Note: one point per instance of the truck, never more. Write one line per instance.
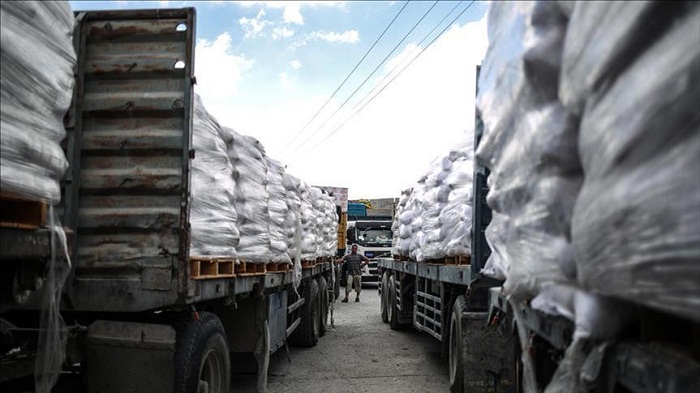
(140, 313)
(373, 235)
(496, 342)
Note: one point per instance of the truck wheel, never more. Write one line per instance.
(202, 360)
(306, 334)
(323, 304)
(384, 298)
(337, 286)
(392, 312)
(457, 347)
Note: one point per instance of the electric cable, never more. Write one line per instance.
(349, 75)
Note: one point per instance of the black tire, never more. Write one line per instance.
(383, 301)
(323, 305)
(392, 311)
(457, 346)
(337, 286)
(202, 355)
(306, 334)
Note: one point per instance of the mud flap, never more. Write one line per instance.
(488, 356)
(130, 357)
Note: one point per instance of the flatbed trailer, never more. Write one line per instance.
(141, 313)
(447, 302)
(496, 344)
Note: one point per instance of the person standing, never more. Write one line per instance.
(353, 263)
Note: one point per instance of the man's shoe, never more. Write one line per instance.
(344, 300)
(357, 300)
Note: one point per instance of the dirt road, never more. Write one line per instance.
(361, 354)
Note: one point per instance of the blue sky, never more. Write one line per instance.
(265, 68)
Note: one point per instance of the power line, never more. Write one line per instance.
(414, 49)
(392, 79)
(349, 75)
(367, 78)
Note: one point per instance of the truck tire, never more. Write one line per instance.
(337, 286)
(457, 346)
(306, 334)
(202, 356)
(383, 301)
(392, 311)
(323, 305)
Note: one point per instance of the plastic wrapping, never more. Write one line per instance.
(278, 209)
(213, 216)
(292, 186)
(636, 226)
(36, 90)
(602, 38)
(398, 228)
(329, 225)
(530, 145)
(309, 231)
(53, 335)
(251, 196)
(433, 219)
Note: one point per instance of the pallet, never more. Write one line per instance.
(308, 264)
(247, 268)
(22, 213)
(202, 268)
(401, 258)
(280, 267)
(458, 260)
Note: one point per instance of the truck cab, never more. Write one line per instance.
(373, 235)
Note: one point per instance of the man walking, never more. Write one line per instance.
(354, 263)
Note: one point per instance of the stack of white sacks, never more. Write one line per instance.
(592, 136)
(213, 216)
(36, 87)
(433, 219)
(245, 206)
(279, 212)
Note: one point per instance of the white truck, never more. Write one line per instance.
(373, 235)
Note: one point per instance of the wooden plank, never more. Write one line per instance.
(278, 267)
(308, 264)
(247, 268)
(22, 213)
(207, 268)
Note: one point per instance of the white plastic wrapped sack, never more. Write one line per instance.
(36, 90)
(251, 197)
(277, 206)
(213, 217)
(529, 143)
(636, 226)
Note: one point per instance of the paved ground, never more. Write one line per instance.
(361, 354)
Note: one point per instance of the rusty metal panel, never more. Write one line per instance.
(128, 189)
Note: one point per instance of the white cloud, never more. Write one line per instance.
(253, 27)
(420, 115)
(296, 64)
(281, 32)
(291, 10)
(416, 119)
(346, 37)
(218, 71)
(292, 14)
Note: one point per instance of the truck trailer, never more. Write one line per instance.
(634, 327)
(140, 313)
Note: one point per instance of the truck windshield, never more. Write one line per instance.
(377, 237)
